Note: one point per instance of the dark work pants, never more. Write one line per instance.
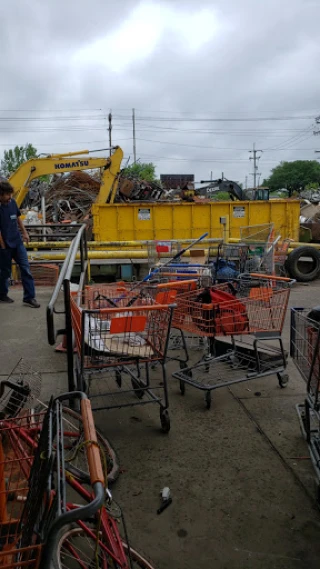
(19, 255)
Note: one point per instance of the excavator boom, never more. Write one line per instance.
(70, 162)
(233, 189)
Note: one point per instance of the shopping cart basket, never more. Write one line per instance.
(117, 346)
(305, 352)
(34, 502)
(231, 261)
(184, 271)
(261, 241)
(253, 312)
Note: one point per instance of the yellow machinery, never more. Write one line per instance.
(135, 220)
(73, 161)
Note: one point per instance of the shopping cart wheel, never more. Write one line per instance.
(165, 420)
(182, 386)
(136, 386)
(208, 399)
(283, 379)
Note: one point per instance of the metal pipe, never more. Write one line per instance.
(293, 244)
(97, 255)
(65, 273)
(93, 244)
(43, 211)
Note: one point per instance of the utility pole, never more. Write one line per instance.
(110, 129)
(255, 159)
(246, 182)
(134, 135)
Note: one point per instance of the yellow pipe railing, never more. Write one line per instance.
(111, 244)
(98, 255)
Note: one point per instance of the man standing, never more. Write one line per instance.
(12, 247)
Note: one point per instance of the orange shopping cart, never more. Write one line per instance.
(242, 323)
(119, 336)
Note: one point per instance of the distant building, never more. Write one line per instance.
(177, 181)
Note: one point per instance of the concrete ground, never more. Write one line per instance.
(242, 482)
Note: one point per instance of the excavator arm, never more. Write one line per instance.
(70, 162)
(233, 189)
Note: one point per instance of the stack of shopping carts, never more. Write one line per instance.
(219, 335)
(122, 334)
(55, 509)
(305, 351)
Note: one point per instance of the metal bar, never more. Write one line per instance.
(65, 274)
(110, 244)
(69, 335)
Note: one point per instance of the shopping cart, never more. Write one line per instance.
(249, 320)
(34, 502)
(20, 390)
(185, 271)
(52, 515)
(305, 352)
(261, 241)
(117, 346)
(231, 261)
(159, 249)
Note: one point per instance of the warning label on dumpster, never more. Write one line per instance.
(144, 214)
(239, 211)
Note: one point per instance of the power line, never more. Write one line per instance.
(42, 119)
(49, 110)
(228, 119)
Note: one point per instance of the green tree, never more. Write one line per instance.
(312, 186)
(143, 171)
(12, 159)
(294, 176)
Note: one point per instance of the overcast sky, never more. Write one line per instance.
(183, 65)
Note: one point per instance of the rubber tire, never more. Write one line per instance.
(165, 420)
(292, 261)
(182, 386)
(283, 379)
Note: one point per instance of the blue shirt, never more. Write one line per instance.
(9, 228)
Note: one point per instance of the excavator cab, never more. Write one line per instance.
(261, 194)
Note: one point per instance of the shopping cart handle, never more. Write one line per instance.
(272, 277)
(92, 448)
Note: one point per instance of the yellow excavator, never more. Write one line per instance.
(70, 162)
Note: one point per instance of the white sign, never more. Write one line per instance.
(239, 211)
(144, 214)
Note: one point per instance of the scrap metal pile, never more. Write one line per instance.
(69, 197)
(135, 189)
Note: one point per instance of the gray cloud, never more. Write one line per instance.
(258, 59)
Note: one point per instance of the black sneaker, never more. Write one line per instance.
(32, 302)
(6, 299)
